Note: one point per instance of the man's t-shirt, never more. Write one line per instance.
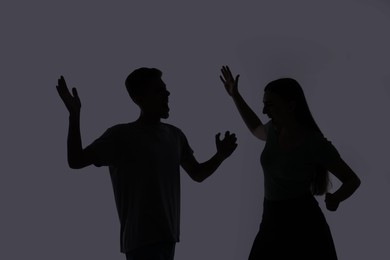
(144, 163)
(289, 174)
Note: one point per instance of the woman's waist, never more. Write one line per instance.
(296, 201)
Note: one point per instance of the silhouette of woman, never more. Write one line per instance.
(295, 160)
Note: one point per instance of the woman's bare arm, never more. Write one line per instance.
(350, 182)
(250, 118)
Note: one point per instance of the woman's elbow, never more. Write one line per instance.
(355, 182)
(76, 164)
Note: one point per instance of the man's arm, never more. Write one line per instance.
(200, 171)
(77, 158)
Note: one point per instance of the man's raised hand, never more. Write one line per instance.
(227, 145)
(72, 103)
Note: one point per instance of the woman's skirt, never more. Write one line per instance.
(293, 229)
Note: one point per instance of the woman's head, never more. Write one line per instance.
(284, 100)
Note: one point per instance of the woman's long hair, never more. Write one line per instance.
(289, 89)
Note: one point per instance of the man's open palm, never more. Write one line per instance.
(227, 145)
(72, 103)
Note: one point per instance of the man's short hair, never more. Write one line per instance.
(137, 81)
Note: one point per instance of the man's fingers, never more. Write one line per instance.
(63, 92)
(75, 94)
(217, 139)
(228, 136)
(231, 137)
(61, 87)
(62, 81)
(67, 97)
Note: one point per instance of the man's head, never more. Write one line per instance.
(148, 91)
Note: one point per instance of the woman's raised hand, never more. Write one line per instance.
(230, 83)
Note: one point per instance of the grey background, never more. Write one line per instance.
(337, 50)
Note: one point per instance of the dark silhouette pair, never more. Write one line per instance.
(144, 159)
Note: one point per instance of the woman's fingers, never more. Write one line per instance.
(223, 81)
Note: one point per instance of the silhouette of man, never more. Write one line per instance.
(144, 159)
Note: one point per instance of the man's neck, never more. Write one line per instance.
(148, 120)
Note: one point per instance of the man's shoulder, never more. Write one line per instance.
(134, 128)
(119, 126)
(118, 129)
(172, 128)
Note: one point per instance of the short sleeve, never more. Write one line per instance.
(185, 149)
(324, 151)
(104, 150)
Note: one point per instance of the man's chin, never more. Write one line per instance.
(164, 116)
